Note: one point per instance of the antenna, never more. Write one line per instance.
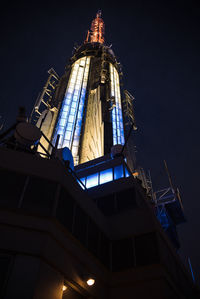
(97, 30)
(169, 176)
(191, 270)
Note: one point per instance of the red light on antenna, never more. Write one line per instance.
(97, 30)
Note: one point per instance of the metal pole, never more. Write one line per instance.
(56, 146)
(191, 270)
(169, 176)
(129, 133)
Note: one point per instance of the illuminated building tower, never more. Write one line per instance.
(64, 228)
(87, 102)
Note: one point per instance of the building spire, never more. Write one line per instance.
(96, 33)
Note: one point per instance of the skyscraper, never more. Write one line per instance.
(87, 100)
(93, 230)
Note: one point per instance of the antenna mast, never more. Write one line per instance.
(96, 35)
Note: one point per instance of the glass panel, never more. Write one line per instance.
(127, 174)
(93, 237)
(117, 119)
(67, 135)
(65, 209)
(122, 254)
(73, 104)
(92, 180)
(82, 180)
(71, 118)
(65, 108)
(80, 225)
(70, 107)
(69, 126)
(72, 111)
(65, 143)
(118, 172)
(106, 176)
(62, 122)
(60, 131)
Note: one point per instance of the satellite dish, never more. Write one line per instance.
(27, 134)
(65, 155)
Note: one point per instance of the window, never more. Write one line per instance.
(106, 176)
(122, 254)
(93, 237)
(5, 266)
(118, 172)
(146, 249)
(80, 224)
(32, 202)
(67, 135)
(62, 122)
(71, 118)
(72, 111)
(127, 174)
(76, 86)
(117, 120)
(65, 209)
(82, 180)
(66, 143)
(92, 180)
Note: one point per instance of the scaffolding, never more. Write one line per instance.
(129, 116)
(44, 99)
(169, 208)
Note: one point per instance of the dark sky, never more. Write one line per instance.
(158, 44)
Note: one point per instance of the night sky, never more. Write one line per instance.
(158, 45)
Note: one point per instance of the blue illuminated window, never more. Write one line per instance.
(117, 120)
(92, 180)
(106, 176)
(82, 180)
(118, 172)
(69, 126)
(127, 174)
(73, 105)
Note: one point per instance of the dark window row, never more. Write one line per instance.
(39, 196)
(12, 185)
(117, 202)
(5, 266)
(31, 193)
(114, 254)
(82, 227)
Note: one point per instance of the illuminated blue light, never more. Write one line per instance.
(118, 172)
(106, 176)
(127, 174)
(92, 180)
(117, 119)
(82, 180)
(71, 112)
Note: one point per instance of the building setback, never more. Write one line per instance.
(78, 218)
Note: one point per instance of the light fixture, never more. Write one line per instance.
(90, 281)
(64, 288)
(87, 278)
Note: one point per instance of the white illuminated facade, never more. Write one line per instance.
(71, 113)
(74, 119)
(117, 119)
(84, 108)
